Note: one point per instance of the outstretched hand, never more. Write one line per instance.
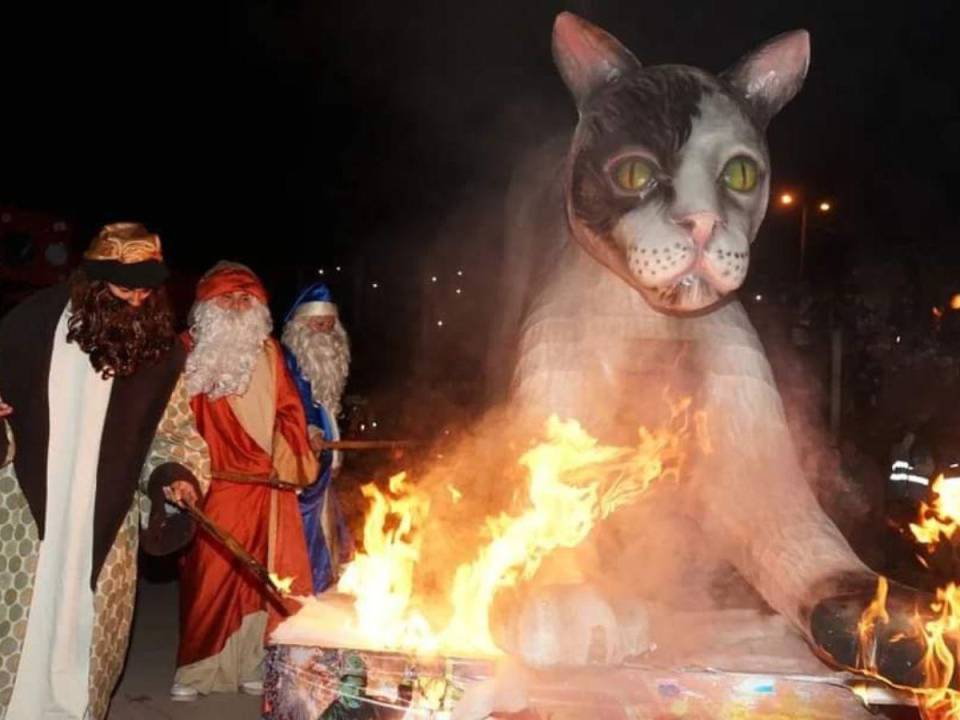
(5, 409)
(317, 443)
(181, 492)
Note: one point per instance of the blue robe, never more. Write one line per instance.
(313, 498)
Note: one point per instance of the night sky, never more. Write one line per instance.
(298, 134)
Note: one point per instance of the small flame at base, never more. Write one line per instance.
(283, 585)
(939, 636)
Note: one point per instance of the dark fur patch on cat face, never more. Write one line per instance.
(670, 173)
(654, 109)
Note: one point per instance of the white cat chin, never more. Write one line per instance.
(689, 294)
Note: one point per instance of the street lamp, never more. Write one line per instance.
(788, 199)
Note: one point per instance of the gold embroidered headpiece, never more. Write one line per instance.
(126, 254)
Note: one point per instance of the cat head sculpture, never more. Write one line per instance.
(668, 174)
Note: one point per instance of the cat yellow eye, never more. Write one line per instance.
(633, 174)
(740, 174)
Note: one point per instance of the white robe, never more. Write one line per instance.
(53, 678)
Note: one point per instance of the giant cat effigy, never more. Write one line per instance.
(635, 236)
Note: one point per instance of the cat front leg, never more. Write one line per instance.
(759, 508)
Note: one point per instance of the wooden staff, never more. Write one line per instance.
(248, 561)
(363, 444)
(248, 478)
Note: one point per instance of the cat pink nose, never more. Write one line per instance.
(700, 225)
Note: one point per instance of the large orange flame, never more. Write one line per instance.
(940, 634)
(572, 482)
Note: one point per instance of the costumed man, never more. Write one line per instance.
(248, 411)
(317, 352)
(90, 374)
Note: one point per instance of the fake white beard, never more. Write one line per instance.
(324, 360)
(227, 344)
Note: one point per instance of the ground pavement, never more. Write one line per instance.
(144, 689)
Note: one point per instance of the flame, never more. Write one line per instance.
(876, 612)
(572, 483)
(938, 520)
(381, 577)
(940, 636)
(283, 585)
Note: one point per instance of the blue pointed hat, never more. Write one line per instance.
(315, 300)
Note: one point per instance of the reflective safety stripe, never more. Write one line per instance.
(909, 477)
(902, 471)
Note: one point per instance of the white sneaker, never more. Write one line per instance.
(183, 693)
(252, 687)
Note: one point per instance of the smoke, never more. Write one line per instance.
(804, 382)
(696, 558)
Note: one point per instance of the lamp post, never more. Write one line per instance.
(789, 199)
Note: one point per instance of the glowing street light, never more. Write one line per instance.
(433, 278)
(955, 302)
(439, 323)
(458, 291)
(789, 199)
(374, 285)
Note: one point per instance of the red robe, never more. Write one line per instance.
(216, 593)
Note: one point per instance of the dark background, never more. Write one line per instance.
(373, 140)
(378, 137)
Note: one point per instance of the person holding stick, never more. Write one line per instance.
(317, 353)
(93, 400)
(249, 413)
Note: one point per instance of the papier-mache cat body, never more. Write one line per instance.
(648, 220)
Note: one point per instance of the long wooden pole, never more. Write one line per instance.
(248, 561)
(251, 478)
(364, 444)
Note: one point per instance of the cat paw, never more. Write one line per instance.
(568, 626)
(894, 648)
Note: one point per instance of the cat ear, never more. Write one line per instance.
(770, 76)
(588, 57)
